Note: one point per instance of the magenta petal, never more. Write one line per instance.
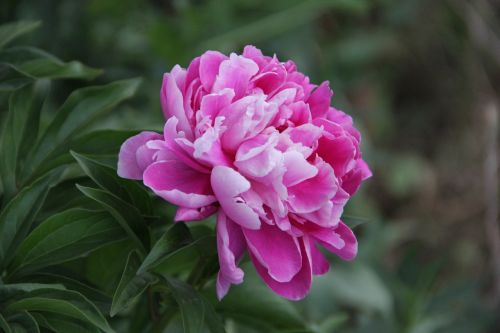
(230, 247)
(319, 101)
(298, 287)
(311, 194)
(276, 250)
(228, 185)
(340, 240)
(177, 183)
(134, 156)
(319, 263)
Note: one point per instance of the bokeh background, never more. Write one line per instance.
(421, 79)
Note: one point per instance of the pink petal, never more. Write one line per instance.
(194, 214)
(311, 194)
(298, 169)
(319, 263)
(172, 99)
(275, 250)
(175, 182)
(209, 68)
(134, 156)
(257, 157)
(298, 287)
(340, 240)
(319, 101)
(235, 73)
(230, 247)
(228, 186)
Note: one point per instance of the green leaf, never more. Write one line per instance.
(11, 290)
(62, 324)
(23, 322)
(4, 325)
(107, 179)
(18, 215)
(73, 282)
(131, 285)
(65, 236)
(96, 143)
(176, 237)
(186, 257)
(20, 132)
(81, 108)
(250, 302)
(196, 311)
(353, 221)
(127, 215)
(62, 302)
(12, 30)
(37, 64)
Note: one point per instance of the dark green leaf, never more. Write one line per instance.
(107, 178)
(65, 236)
(12, 30)
(127, 215)
(20, 131)
(131, 285)
(63, 324)
(18, 215)
(352, 221)
(80, 109)
(176, 237)
(23, 322)
(252, 300)
(37, 64)
(196, 311)
(73, 282)
(63, 302)
(13, 290)
(97, 143)
(4, 325)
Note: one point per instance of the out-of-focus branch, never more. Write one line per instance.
(491, 191)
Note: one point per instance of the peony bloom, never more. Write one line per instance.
(249, 138)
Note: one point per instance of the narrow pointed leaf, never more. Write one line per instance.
(63, 324)
(176, 237)
(80, 109)
(65, 236)
(131, 285)
(23, 322)
(12, 30)
(127, 215)
(18, 215)
(4, 325)
(196, 311)
(62, 302)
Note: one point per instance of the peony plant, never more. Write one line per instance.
(250, 139)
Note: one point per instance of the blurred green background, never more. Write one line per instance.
(420, 78)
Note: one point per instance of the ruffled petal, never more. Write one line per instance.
(134, 156)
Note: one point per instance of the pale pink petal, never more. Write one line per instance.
(177, 183)
(194, 214)
(228, 186)
(235, 73)
(134, 156)
(298, 169)
(172, 99)
(209, 68)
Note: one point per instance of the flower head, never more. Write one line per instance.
(249, 138)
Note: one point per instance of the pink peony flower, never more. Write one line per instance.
(248, 138)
